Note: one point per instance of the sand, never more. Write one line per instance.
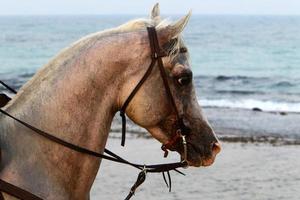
(242, 171)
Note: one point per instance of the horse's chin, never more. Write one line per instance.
(195, 159)
(195, 163)
(201, 162)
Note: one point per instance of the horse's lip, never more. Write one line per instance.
(208, 162)
(203, 161)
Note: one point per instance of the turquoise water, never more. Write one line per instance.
(238, 61)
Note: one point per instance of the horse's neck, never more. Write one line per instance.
(75, 100)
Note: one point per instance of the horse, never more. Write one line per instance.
(76, 95)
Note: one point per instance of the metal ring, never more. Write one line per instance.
(184, 143)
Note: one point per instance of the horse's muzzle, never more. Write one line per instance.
(216, 148)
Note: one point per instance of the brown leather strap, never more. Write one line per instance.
(4, 99)
(16, 191)
(1, 196)
(9, 88)
(70, 145)
(112, 157)
(132, 94)
(157, 54)
(22, 194)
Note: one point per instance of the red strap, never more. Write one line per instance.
(165, 147)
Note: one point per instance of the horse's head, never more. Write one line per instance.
(151, 108)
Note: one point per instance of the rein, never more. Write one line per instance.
(156, 56)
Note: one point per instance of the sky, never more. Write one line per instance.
(92, 7)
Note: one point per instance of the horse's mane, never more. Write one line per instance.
(136, 25)
(141, 24)
(172, 49)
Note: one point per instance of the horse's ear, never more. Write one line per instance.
(174, 29)
(155, 13)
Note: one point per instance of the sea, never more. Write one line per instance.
(238, 61)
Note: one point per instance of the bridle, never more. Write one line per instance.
(156, 57)
(179, 135)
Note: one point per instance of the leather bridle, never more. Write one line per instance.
(179, 135)
(156, 57)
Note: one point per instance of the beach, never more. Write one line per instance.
(246, 171)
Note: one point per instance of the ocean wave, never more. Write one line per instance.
(252, 103)
(283, 84)
(260, 139)
(225, 78)
(240, 92)
(26, 75)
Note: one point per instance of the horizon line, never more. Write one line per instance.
(140, 14)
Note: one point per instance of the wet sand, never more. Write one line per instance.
(241, 125)
(285, 127)
(242, 171)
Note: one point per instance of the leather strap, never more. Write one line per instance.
(22, 194)
(132, 94)
(180, 124)
(16, 191)
(171, 142)
(1, 196)
(67, 144)
(7, 87)
(156, 56)
(4, 99)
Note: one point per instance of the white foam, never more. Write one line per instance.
(252, 103)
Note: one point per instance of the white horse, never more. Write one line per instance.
(76, 95)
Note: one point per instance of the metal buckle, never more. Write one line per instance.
(184, 143)
(145, 170)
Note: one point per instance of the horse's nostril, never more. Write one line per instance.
(216, 147)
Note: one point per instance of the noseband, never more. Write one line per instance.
(156, 57)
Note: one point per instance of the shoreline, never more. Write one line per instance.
(238, 126)
(274, 141)
(255, 109)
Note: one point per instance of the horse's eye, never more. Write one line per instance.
(184, 80)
